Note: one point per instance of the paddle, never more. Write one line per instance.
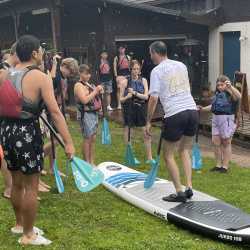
(58, 179)
(106, 136)
(155, 164)
(130, 158)
(196, 153)
(86, 178)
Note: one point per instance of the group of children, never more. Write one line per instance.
(24, 136)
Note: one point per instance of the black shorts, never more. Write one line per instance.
(22, 145)
(135, 115)
(182, 124)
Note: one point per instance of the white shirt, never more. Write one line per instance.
(169, 81)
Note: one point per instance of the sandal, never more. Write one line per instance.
(38, 241)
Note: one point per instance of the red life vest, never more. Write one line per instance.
(12, 102)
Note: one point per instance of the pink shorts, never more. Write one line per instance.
(223, 126)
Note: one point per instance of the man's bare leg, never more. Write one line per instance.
(29, 208)
(17, 197)
(169, 151)
(7, 180)
(184, 147)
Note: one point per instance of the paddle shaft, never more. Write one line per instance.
(52, 139)
(52, 130)
(198, 129)
(60, 88)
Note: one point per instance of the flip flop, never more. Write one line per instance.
(19, 230)
(43, 189)
(38, 241)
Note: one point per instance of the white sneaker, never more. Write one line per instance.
(119, 107)
(19, 230)
(109, 108)
(38, 241)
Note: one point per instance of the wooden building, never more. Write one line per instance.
(81, 28)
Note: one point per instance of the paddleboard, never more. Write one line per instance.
(203, 213)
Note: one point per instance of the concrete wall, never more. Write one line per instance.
(216, 49)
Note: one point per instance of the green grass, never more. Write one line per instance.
(100, 220)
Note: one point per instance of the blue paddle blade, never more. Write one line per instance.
(106, 136)
(130, 158)
(59, 182)
(86, 178)
(150, 179)
(196, 157)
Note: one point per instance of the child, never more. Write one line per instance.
(134, 94)
(105, 76)
(121, 66)
(224, 108)
(89, 104)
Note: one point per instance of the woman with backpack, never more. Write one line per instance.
(224, 108)
(134, 96)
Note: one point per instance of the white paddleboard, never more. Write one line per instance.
(203, 213)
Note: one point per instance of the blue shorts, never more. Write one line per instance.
(89, 124)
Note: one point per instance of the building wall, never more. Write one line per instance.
(216, 49)
(236, 10)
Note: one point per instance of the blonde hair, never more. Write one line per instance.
(222, 78)
(71, 64)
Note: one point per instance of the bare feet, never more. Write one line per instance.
(44, 184)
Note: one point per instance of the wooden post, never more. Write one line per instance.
(56, 23)
(16, 21)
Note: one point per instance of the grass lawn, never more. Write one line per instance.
(100, 220)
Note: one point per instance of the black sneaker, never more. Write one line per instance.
(223, 170)
(215, 169)
(179, 197)
(189, 193)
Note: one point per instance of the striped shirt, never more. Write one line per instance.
(169, 81)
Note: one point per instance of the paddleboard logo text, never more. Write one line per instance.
(230, 237)
(113, 168)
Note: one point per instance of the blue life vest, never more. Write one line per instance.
(223, 104)
(136, 85)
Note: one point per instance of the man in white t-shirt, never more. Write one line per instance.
(170, 83)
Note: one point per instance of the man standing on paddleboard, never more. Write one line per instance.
(170, 83)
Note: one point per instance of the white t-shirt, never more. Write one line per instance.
(169, 81)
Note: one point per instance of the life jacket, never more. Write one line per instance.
(222, 104)
(13, 104)
(93, 106)
(136, 85)
(104, 68)
(123, 65)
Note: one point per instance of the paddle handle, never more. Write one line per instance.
(159, 145)
(52, 130)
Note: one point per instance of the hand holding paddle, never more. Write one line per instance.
(86, 178)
